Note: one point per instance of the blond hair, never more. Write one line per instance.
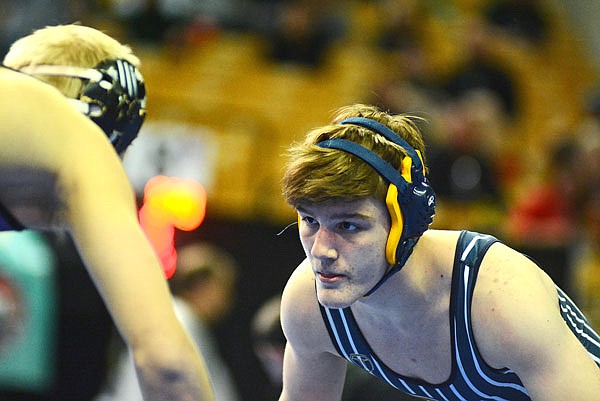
(316, 174)
(68, 45)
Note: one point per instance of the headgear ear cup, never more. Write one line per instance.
(114, 96)
(121, 98)
(416, 198)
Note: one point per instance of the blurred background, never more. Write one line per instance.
(510, 90)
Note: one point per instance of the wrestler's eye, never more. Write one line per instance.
(347, 226)
(309, 221)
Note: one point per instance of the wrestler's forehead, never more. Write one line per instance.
(365, 208)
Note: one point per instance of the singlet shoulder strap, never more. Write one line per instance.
(471, 248)
(8, 222)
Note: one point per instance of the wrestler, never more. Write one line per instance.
(72, 100)
(443, 315)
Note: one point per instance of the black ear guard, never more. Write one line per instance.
(114, 97)
(410, 199)
(121, 97)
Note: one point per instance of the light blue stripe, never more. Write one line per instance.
(441, 394)
(348, 333)
(456, 393)
(335, 333)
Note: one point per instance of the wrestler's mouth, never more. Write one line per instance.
(329, 278)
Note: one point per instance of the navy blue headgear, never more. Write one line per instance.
(114, 97)
(410, 199)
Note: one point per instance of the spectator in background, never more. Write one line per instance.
(525, 20)
(174, 22)
(409, 82)
(546, 213)
(586, 263)
(301, 31)
(20, 17)
(268, 342)
(464, 161)
(542, 219)
(403, 24)
(479, 69)
(588, 134)
(153, 22)
(203, 287)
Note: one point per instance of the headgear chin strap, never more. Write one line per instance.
(114, 97)
(410, 199)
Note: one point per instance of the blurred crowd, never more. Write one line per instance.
(512, 107)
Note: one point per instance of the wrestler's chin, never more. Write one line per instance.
(335, 298)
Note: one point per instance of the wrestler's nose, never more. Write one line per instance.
(324, 245)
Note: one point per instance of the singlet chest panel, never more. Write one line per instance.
(420, 349)
(470, 377)
(423, 351)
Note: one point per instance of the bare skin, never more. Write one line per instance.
(71, 178)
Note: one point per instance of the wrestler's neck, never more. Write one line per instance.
(422, 285)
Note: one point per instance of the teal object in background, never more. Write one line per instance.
(28, 312)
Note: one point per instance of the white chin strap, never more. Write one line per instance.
(64, 71)
(90, 74)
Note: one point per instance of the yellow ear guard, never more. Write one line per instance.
(397, 223)
(410, 200)
(397, 220)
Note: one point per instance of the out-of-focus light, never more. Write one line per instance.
(171, 203)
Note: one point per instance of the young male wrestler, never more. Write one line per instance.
(59, 171)
(444, 315)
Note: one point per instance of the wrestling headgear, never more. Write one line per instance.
(113, 96)
(410, 199)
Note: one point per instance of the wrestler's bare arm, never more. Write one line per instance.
(134, 289)
(40, 129)
(310, 371)
(517, 325)
(103, 218)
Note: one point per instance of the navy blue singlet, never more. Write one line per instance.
(7, 221)
(471, 378)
